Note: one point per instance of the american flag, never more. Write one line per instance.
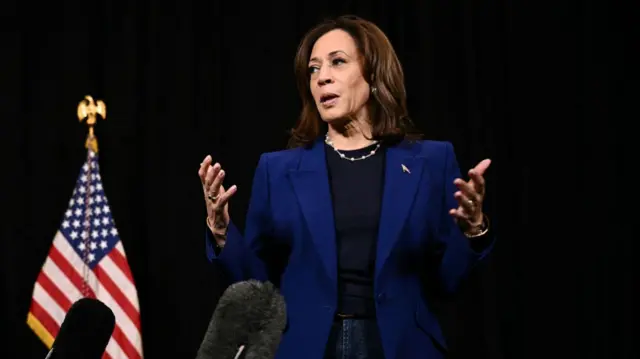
(87, 259)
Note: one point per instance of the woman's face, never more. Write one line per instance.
(337, 84)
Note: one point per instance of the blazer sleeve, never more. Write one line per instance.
(238, 257)
(459, 256)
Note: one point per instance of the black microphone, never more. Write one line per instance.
(85, 331)
(246, 324)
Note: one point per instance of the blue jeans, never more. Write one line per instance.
(354, 339)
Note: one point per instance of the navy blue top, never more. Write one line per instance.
(356, 189)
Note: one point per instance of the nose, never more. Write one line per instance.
(324, 76)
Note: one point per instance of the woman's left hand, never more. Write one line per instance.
(470, 196)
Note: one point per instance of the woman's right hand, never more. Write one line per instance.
(216, 198)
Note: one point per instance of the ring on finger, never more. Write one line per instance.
(471, 203)
(219, 225)
(213, 197)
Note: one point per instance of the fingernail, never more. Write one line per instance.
(221, 173)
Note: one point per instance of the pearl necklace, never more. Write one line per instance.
(342, 155)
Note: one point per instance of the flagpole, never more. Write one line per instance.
(89, 110)
(87, 258)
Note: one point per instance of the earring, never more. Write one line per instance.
(374, 89)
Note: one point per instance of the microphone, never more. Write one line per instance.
(246, 324)
(85, 331)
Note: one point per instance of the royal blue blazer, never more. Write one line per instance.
(291, 206)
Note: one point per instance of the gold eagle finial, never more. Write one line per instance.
(89, 109)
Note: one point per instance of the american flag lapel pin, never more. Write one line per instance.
(240, 350)
(405, 169)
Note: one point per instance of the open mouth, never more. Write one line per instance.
(328, 98)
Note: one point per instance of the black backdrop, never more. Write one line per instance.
(538, 89)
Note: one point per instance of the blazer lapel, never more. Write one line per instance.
(310, 182)
(402, 176)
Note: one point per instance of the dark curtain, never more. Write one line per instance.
(539, 88)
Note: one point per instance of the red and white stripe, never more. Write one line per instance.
(60, 284)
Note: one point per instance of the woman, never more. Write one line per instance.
(363, 212)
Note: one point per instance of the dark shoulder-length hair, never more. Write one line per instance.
(381, 68)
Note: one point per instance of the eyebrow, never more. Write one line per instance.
(332, 53)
